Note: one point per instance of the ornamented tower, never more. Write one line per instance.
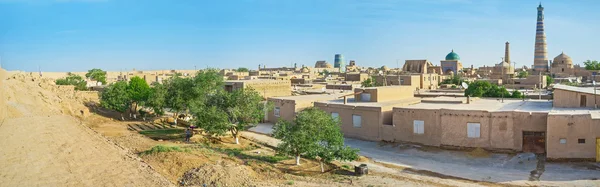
(540, 60)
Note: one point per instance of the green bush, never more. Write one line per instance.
(163, 149)
(486, 89)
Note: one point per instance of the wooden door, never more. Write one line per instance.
(534, 142)
(583, 101)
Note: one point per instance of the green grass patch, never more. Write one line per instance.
(165, 134)
(290, 183)
(164, 149)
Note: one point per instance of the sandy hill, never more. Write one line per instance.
(25, 94)
(45, 144)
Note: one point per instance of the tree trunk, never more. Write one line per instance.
(322, 169)
(122, 118)
(297, 160)
(237, 141)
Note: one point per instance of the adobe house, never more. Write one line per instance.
(574, 124)
(286, 107)
(486, 123)
(370, 108)
(266, 87)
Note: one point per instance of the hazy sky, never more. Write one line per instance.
(77, 35)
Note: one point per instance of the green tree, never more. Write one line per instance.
(486, 89)
(314, 134)
(157, 97)
(549, 80)
(592, 65)
(97, 75)
(242, 69)
(74, 80)
(179, 94)
(523, 74)
(138, 91)
(455, 79)
(229, 112)
(115, 97)
(517, 94)
(368, 83)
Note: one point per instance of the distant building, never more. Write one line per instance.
(339, 63)
(540, 60)
(266, 87)
(451, 65)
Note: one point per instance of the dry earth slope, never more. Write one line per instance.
(44, 144)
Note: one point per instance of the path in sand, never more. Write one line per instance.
(58, 151)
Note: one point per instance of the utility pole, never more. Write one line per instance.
(398, 71)
(540, 91)
(502, 68)
(594, 82)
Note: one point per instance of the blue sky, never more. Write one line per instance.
(77, 35)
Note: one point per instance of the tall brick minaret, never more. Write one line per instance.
(507, 53)
(540, 60)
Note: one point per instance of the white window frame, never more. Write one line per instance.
(277, 111)
(356, 121)
(562, 141)
(473, 130)
(418, 127)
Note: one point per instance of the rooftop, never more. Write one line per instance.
(589, 90)
(490, 105)
(315, 97)
(351, 102)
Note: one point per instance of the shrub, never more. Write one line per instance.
(163, 149)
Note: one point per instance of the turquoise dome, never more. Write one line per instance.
(452, 56)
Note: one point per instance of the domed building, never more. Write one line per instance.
(562, 66)
(451, 65)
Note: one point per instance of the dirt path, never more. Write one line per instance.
(58, 151)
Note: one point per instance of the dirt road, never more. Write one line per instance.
(58, 151)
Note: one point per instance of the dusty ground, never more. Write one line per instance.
(477, 165)
(43, 145)
(51, 139)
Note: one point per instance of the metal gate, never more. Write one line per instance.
(534, 142)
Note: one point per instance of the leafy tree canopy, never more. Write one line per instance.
(523, 74)
(455, 79)
(486, 89)
(74, 80)
(592, 65)
(549, 80)
(313, 134)
(97, 75)
(157, 97)
(229, 112)
(115, 97)
(242, 69)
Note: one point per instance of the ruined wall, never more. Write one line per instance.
(572, 128)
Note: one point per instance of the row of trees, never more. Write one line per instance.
(313, 134)
(214, 109)
(80, 83)
(486, 89)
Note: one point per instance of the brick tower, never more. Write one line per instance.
(540, 60)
